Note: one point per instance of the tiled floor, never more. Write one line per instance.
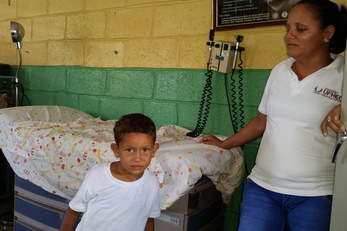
(6, 214)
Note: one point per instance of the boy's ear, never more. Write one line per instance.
(114, 148)
(155, 148)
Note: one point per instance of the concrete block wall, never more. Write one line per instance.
(127, 33)
(108, 33)
(169, 96)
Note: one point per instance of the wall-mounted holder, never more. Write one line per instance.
(17, 34)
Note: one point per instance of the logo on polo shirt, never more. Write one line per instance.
(326, 92)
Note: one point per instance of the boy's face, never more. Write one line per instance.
(135, 151)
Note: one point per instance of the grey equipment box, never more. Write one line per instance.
(202, 209)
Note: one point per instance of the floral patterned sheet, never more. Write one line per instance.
(54, 147)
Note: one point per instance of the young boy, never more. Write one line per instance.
(120, 195)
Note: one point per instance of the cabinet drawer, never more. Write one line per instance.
(36, 215)
(30, 191)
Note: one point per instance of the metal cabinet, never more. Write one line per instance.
(37, 209)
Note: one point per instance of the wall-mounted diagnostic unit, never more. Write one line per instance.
(224, 55)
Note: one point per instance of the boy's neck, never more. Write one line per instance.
(119, 173)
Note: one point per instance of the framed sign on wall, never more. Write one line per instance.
(245, 13)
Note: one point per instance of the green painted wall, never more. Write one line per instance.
(169, 96)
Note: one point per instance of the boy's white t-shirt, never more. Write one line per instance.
(294, 157)
(111, 204)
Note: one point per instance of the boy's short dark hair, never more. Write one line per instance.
(134, 123)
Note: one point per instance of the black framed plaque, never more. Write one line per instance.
(245, 13)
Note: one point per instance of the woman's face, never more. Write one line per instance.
(304, 37)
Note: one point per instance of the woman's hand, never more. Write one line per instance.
(332, 119)
(253, 130)
(211, 140)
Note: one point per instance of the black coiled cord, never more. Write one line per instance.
(205, 106)
(232, 108)
(240, 87)
(233, 112)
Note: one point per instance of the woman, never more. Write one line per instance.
(290, 187)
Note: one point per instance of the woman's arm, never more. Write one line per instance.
(70, 220)
(150, 225)
(253, 130)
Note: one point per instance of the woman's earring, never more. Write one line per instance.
(326, 40)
